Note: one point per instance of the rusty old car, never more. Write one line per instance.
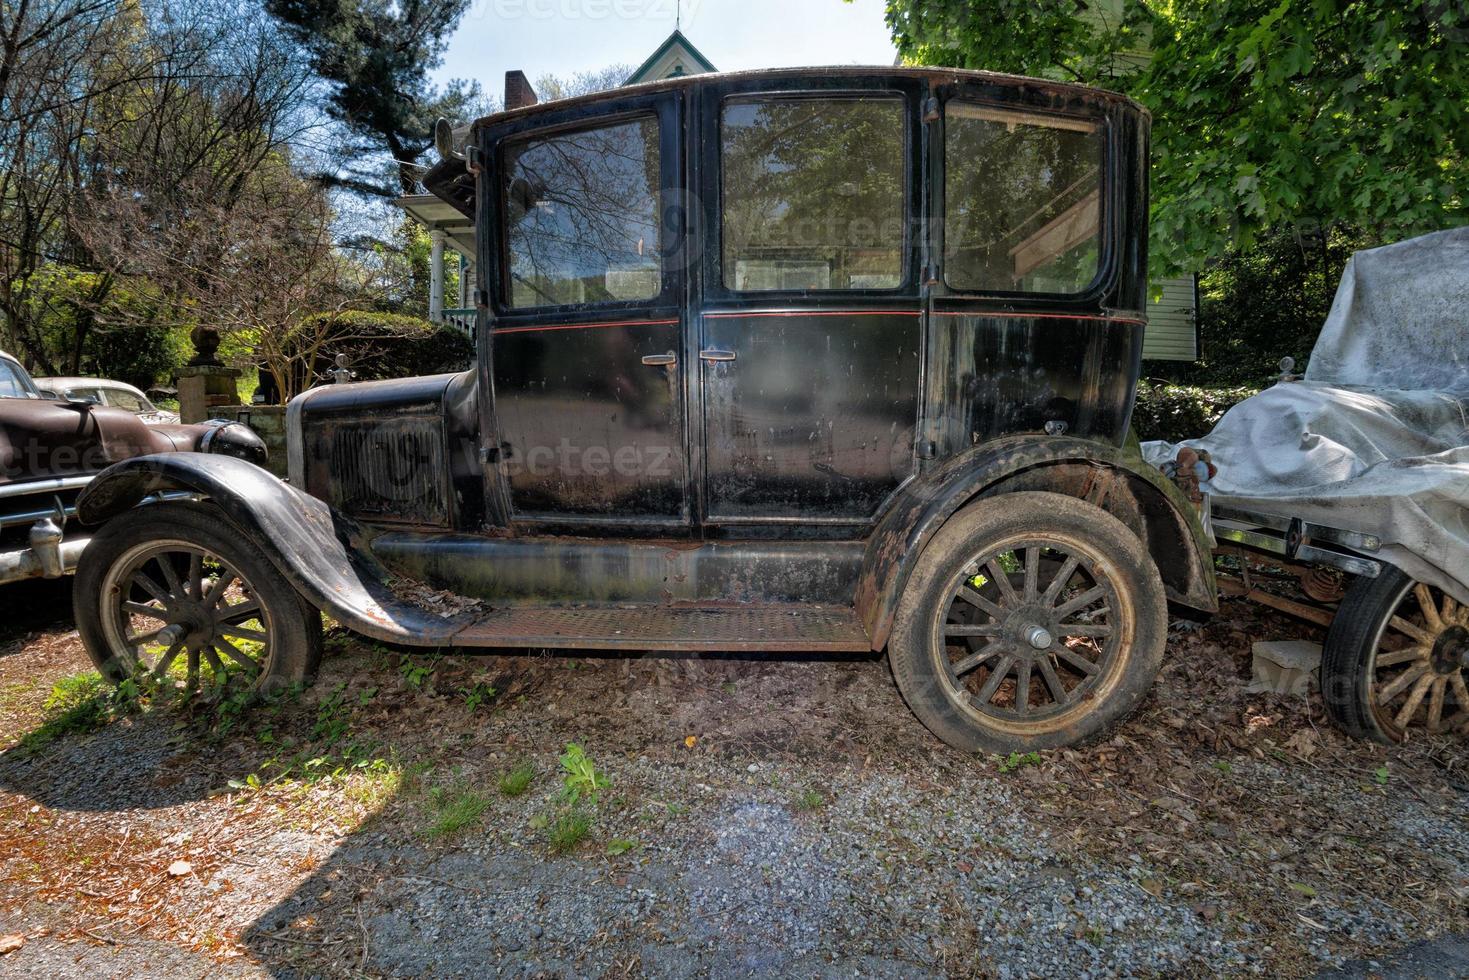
(51, 447)
(797, 360)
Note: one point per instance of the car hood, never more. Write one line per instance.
(45, 439)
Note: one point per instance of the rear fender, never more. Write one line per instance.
(1117, 480)
(309, 543)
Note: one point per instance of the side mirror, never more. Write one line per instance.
(80, 404)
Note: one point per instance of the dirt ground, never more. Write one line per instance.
(771, 815)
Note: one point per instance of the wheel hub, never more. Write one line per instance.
(1450, 650)
(1031, 630)
(1038, 637)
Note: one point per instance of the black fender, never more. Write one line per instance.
(1115, 479)
(303, 537)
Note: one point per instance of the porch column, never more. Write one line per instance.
(436, 276)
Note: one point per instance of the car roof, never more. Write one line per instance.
(935, 76)
(449, 180)
(65, 382)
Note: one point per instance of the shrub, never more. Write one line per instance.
(379, 345)
(1176, 412)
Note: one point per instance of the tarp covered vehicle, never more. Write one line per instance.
(823, 359)
(1362, 466)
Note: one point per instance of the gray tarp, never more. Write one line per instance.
(1376, 437)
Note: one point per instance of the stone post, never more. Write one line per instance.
(204, 387)
(205, 383)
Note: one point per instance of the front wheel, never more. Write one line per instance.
(173, 593)
(1032, 621)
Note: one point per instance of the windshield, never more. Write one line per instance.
(14, 382)
(132, 401)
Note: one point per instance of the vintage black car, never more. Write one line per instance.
(50, 448)
(801, 360)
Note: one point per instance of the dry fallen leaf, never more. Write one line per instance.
(180, 868)
(1302, 743)
(10, 943)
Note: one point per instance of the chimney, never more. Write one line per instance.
(518, 93)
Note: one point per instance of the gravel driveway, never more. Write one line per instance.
(757, 816)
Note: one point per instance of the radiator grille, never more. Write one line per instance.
(388, 469)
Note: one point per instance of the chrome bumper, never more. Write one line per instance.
(29, 563)
(47, 555)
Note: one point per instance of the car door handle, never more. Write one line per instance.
(660, 360)
(715, 354)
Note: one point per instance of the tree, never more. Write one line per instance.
(1267, 115)
(123, 131)
(550, 87)
(376, 56)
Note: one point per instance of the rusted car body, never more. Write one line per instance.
(51, 448)
(749, 346)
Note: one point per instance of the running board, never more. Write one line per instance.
(774, 628)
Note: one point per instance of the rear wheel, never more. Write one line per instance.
(173, 594)
(1033, 620)
(1394, 660)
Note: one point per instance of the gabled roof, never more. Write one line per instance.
(685, 51)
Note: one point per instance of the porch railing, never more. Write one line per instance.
(461, 317)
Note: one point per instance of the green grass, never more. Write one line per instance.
(452, 810)
(1017, 760)
(568, 830)
(77, 704)
(517, 780)
(809, 800)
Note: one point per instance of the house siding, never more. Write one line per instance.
(1172, 332)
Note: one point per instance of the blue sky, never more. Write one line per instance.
(563, 37)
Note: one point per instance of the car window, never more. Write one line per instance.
(581, 216)
(1022, 200)
(813, 192)
(13, 381)
(122, 398)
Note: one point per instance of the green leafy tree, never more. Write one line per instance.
(376, 56)
(1317, 115)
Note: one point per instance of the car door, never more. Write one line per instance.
(586, 328)
(810, 327)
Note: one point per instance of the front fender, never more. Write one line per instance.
(304, 538)
(1117, 479)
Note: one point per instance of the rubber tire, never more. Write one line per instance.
(972, 531)
(298, 643)
(1350, 649)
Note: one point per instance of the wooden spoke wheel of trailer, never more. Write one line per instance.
(1395, 660)
(1033, 620)
(170, 594)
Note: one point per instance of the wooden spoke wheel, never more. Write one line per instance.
(1395, 660)
(173, 594)
(171, 603)
(1030, 630)
(1032, 620)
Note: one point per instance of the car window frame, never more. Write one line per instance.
(664, 111)
(1108, 203)
(27, 383)
(909, 201)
